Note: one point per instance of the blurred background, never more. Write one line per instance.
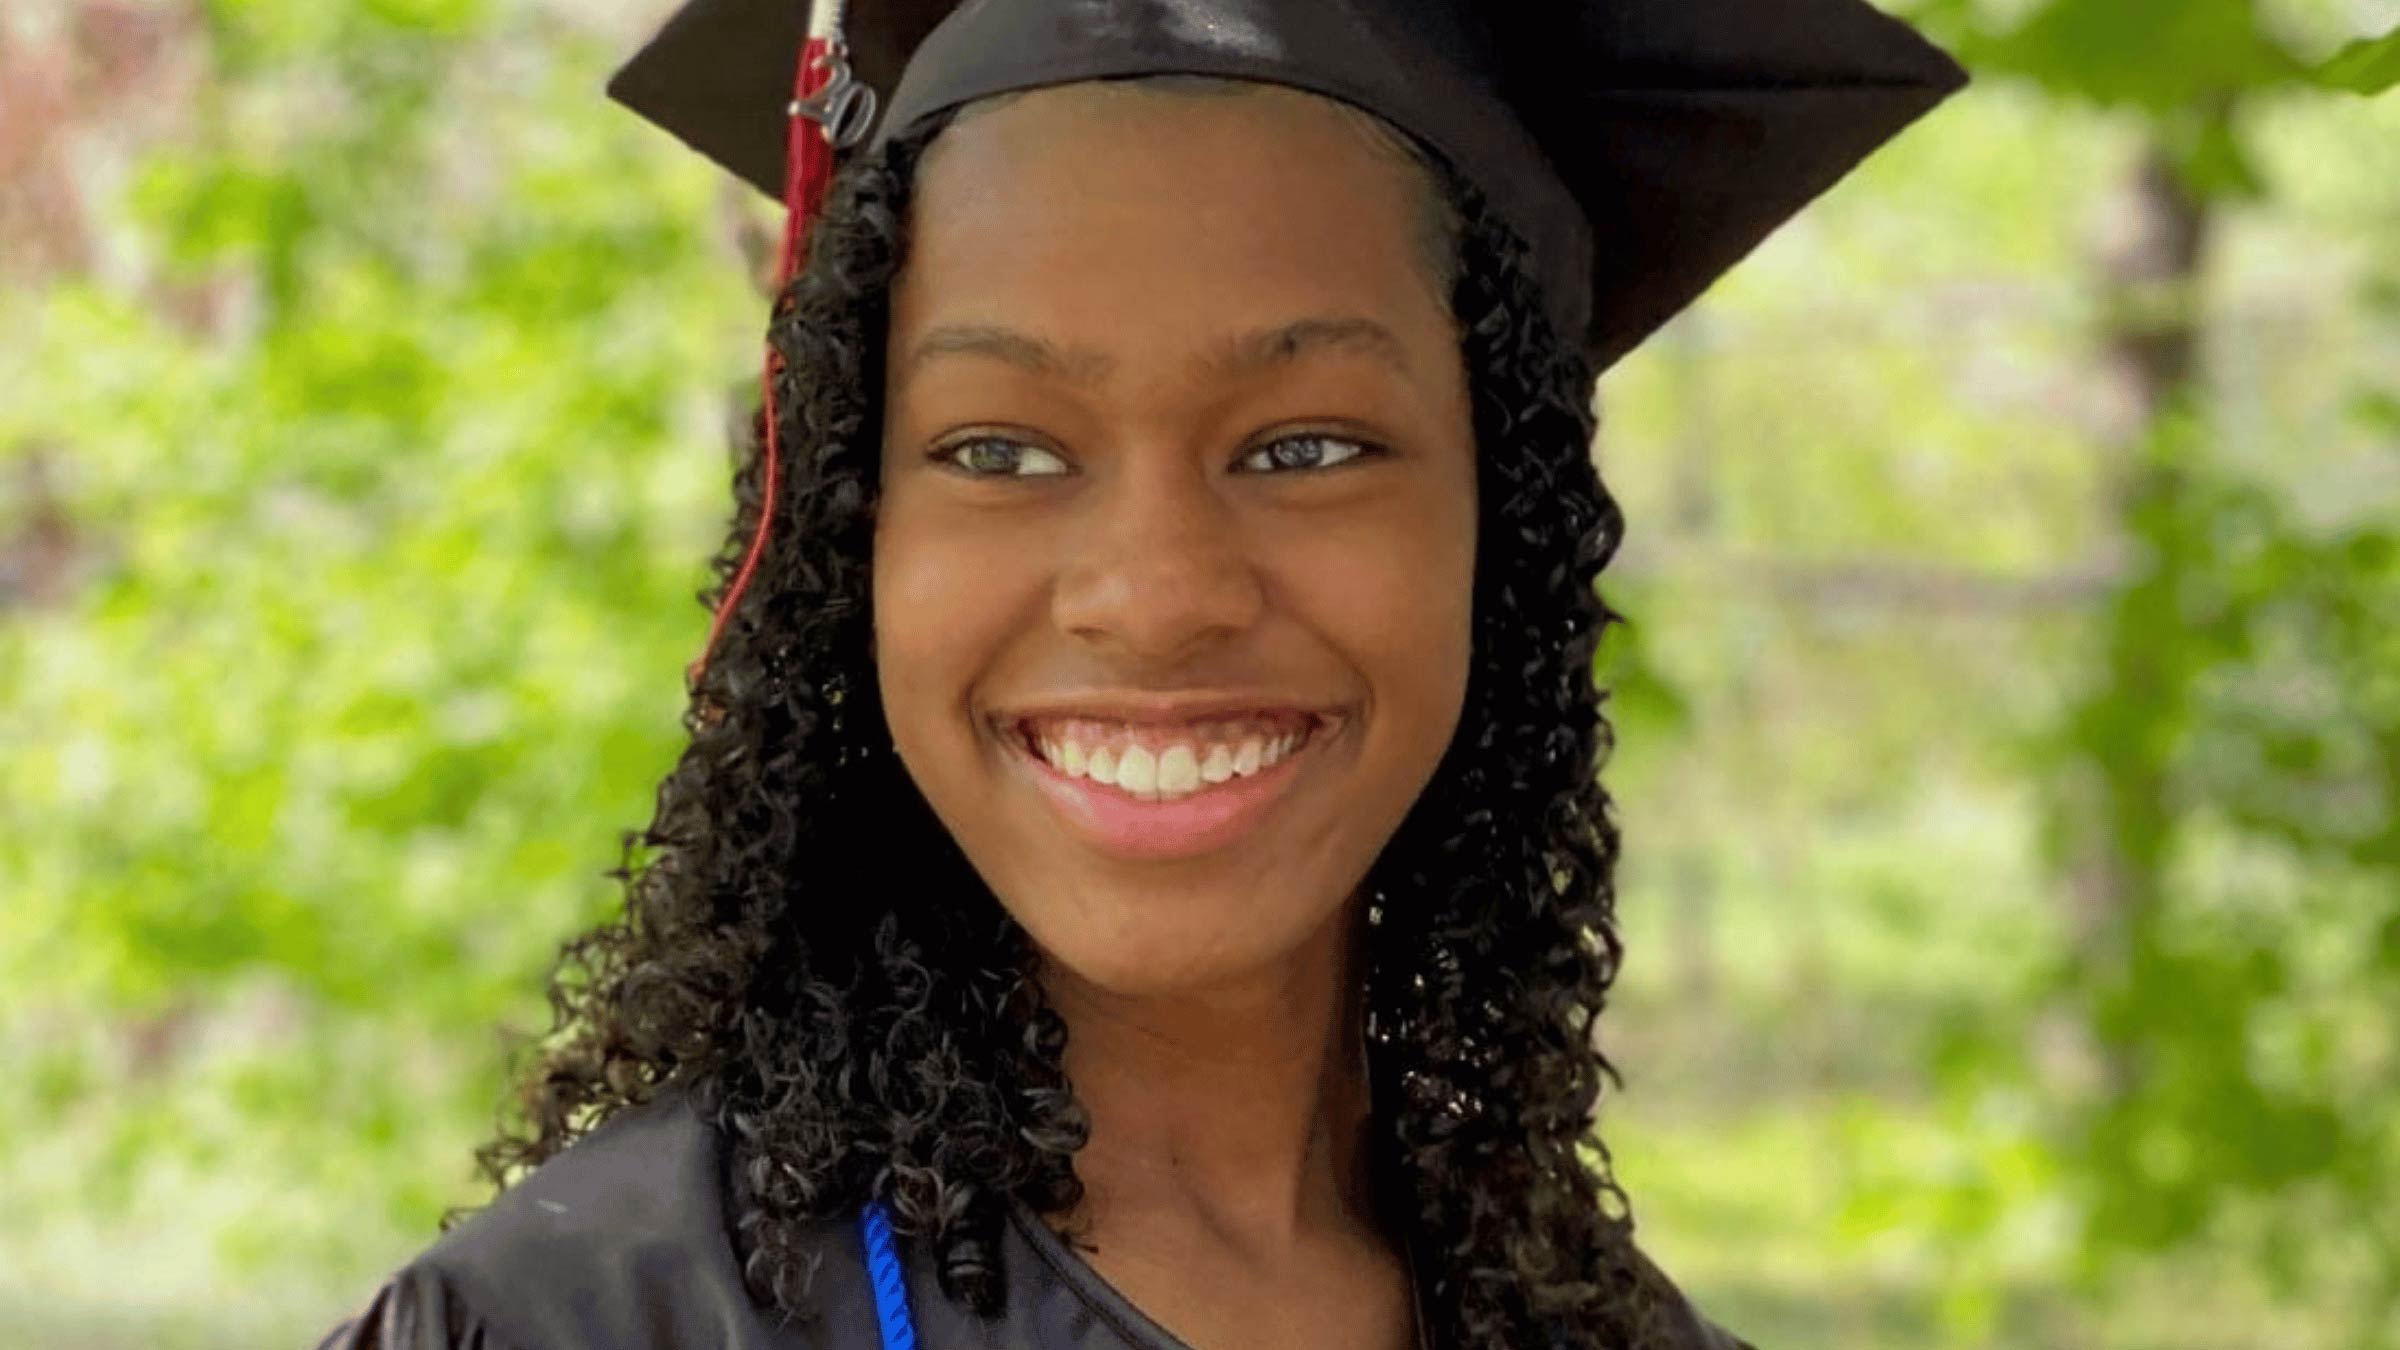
(2009, 721)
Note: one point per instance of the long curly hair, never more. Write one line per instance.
(865, 1022)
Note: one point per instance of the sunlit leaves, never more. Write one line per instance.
(387, 486)
(2367, 66)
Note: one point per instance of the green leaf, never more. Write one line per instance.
(2367, 66)
(2159, 55)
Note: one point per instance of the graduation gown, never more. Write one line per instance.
(622, 1242)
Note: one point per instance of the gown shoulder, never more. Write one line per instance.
(623, 1241)
(620, 1242)
(1670, 1318)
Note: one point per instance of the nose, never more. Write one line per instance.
(1159, 569)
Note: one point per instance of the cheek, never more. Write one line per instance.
(1396, 595)
(943, 607)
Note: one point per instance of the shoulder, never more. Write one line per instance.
(1668, 1318)
(620, 1242)
(1708, 1335)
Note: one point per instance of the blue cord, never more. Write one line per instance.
(883, 1276)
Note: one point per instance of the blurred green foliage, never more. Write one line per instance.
(386, 564)
(2009, 720)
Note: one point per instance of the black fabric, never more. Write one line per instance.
(623, 1242)
(1640, 147)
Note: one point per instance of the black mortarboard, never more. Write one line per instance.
(1641, 147)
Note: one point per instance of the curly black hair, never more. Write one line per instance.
(866, 1023)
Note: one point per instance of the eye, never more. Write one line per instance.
(999, 457)
(1310, 451)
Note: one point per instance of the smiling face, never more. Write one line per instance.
(1175, 550)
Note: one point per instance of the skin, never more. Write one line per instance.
(1211, 1001)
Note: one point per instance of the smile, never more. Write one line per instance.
(1153, 790)
(1150, 763)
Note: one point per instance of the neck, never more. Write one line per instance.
(1239, 1110)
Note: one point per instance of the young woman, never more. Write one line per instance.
(1138, 878)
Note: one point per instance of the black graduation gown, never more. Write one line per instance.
(621, 1242)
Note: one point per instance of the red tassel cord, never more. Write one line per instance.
(807, 173)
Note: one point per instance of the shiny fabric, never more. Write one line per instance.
(623, 1242)
(1640, 147)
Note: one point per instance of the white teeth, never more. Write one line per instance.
(1218, 766)
(1178, 771)
(1246, 759)
(1175, 772)
(1137, 771)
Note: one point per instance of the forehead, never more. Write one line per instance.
(1153, 224)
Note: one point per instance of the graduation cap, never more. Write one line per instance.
(1639, 147)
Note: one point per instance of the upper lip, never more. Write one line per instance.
(1160, 709)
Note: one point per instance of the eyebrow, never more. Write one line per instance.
(1240, 355)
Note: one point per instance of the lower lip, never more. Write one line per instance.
(1186, 827)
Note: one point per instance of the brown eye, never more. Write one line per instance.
(1304, 452)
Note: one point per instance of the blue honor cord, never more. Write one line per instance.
(883, 1277)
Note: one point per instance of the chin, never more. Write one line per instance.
(1140, 952)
